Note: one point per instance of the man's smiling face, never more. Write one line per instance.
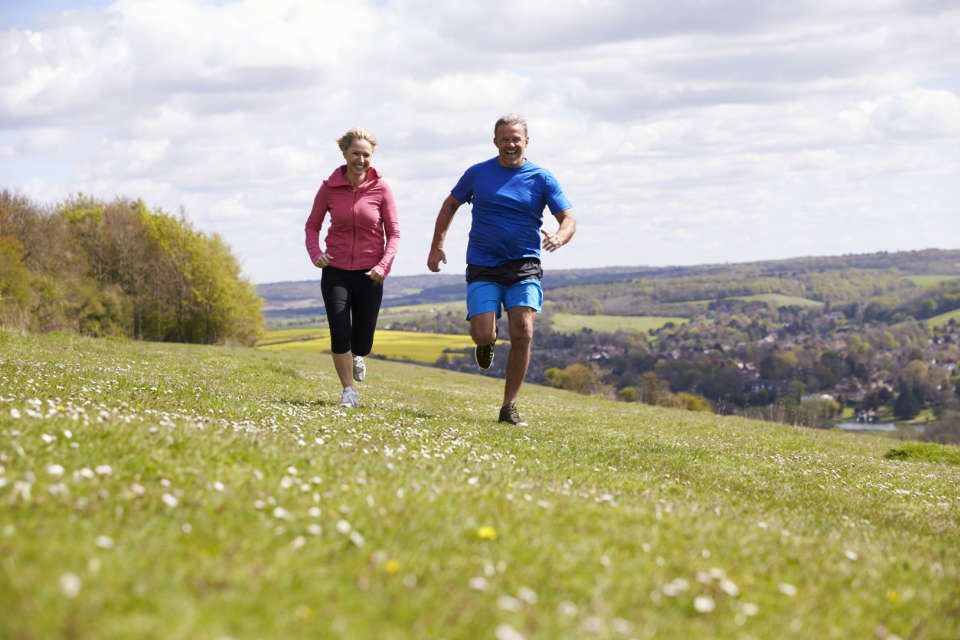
(511, 141)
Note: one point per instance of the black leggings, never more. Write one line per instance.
(352, 301)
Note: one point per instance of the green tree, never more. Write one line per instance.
(104, 311)
(693, 402)
(795, 390)
(15, 292)
(652, 388)
(907, 405)
(198, 292)
(119, 269)
(576, 377)
(628, 394)
(818, 411)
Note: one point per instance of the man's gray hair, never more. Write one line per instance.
(511, 119)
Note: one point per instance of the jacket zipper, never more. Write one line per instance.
(353, 253)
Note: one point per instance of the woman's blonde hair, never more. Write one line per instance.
(357, 133)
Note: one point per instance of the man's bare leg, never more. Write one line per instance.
(521, 342)
(483, 327)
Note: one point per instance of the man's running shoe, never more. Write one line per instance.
(359, 368)
(483, 353)
(510, 415)
(350, 398)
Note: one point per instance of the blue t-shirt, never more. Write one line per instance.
(507, 210)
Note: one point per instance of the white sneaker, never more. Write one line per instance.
(359, 368)
(349, 398)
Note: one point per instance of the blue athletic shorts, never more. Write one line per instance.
(489, 296)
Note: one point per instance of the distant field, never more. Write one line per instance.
(930, 280)
(944, 318)
(773, 299)
(570, 322)
(685, 307)
(429, 307)
(387, 315)
(780, 300)
(293, 335)
(395, 345)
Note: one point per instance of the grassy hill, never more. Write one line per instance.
(930, 280)
(944, 318)
(571, 322)
(174, 491)
(298, 299)
(779, 300)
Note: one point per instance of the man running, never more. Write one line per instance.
(508, 195)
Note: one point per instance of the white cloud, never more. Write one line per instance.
(919, 112)
(682, 133)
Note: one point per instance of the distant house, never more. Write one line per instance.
(605, 352)
(818, 396)
(851, 388)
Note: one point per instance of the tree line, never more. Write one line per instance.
(117, 268)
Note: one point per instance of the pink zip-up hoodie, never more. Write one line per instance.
(364, 233)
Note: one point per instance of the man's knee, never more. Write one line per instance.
(521, 342)
(482, 336)
(483, 328)
(521, 330)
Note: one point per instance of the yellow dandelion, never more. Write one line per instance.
(487, 533)
(304, 613)
(893, 597)
(392, 566)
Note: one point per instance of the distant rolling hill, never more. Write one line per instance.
(302, 298)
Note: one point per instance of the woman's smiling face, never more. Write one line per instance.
(358, 156)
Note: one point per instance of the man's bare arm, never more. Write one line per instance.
(568, 226)
(444, 218)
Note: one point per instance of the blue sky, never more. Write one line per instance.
(32, 14)
(683, 133)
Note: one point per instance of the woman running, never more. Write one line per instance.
(361, 244)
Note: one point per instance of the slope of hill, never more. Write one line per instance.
(177, 491)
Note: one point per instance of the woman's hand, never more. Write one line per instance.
(323, 260)
(374, 275)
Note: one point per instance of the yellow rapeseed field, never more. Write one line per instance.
(395, 345)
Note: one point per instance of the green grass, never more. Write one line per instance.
(426, 308)
(944, 318)
(570, 322)
(395, 345)
(930, 280)
(174, 491)
(780, 300)
(926, 452)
